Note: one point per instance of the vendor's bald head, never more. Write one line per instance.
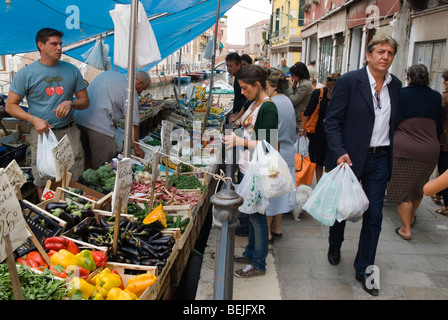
(142, 81)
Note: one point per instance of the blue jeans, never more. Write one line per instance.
(374, 181)
(257, 248)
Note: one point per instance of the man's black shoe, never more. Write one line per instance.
(367, 284)
(334, 256)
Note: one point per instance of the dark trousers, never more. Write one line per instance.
(374, 181)
(442, 166)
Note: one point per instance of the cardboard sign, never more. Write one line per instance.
(12, 222)
(63, 157)
(167, 129)
(123, 184)
(15, 175)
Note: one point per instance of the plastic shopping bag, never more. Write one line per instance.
(44, 159)
(301, 145)
(353, 201)
(275, 177)
(323, 202)
(248, 189)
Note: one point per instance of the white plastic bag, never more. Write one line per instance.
(323, 202)
(301, 146)
(275, 177)
(248, 189)
(44, 159)
(353, 201)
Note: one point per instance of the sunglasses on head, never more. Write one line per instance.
(330, 79)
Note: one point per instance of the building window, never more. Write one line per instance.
(326, 55)
(431, 54)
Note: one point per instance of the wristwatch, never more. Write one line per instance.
(72, 103)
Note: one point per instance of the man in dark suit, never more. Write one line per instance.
(359, 126)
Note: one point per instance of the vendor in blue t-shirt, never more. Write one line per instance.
(49, 86)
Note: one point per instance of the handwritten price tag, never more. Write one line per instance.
(167, 129)
(123, 184)
(11, 217)
(63, 157)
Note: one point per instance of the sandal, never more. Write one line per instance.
(443, 211)
(401, 235)
(437, 199)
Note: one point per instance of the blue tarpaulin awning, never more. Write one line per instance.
(174, 22)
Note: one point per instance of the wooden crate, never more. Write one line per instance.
(92, 195)
(127, 271)
(185, 212)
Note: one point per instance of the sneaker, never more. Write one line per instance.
(248, 271)
(241, 259)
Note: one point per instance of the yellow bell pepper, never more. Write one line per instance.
(118, 294)
(140, 283)
(78, 284)
(65, 258)
(106, 280)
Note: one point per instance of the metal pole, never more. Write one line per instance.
(178, 71)
(130, 91)
(225, 219)
(210, 93)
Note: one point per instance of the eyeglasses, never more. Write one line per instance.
(378, 100)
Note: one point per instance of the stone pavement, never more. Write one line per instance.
(298, 269)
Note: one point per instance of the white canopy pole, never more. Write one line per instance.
(131, 82)
(210, 92)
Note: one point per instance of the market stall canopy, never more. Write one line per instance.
(174, 22)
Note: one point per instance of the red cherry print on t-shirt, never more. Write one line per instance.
(49, 91)
(59, 90)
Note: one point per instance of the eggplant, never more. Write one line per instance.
(100, 230)
(80, 228)
(56, 205)
(130, 251)
(87, 213)
(67, 218)
(149, 248)
(82, 200)
(163, 240)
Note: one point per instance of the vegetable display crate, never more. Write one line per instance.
(127, 271)
(183, 212)
(11, 153)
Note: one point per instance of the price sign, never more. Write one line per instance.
(167, 128)
(63, 157)
(15, 175)
(123, 184)
(12, 222)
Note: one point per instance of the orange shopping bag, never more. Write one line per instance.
(304, 169)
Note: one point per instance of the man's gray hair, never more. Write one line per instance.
(143, 76)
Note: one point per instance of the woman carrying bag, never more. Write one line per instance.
(258, 120)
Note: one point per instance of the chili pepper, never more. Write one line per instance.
(58, 271)
(118, 294)
(65, 258)
(100, 258)
(106, 281)
(36, 256)
(77, 284)
(78, 271)
(140, 283)
(87, 260)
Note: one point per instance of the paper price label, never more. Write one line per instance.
(63, 157)
(123, 184)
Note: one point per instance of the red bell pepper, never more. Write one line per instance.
(58, 243)
(77, 271)
(58, 271)
(36, 256)
(100, 258)
(51, 252)
(22, 261)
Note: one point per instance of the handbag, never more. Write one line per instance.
(304, 169)
(310, 125)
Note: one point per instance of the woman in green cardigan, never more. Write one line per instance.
(259, 122)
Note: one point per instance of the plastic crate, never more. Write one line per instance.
(42, 226)
(11, 153)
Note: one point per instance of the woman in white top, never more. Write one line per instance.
(276, 83)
